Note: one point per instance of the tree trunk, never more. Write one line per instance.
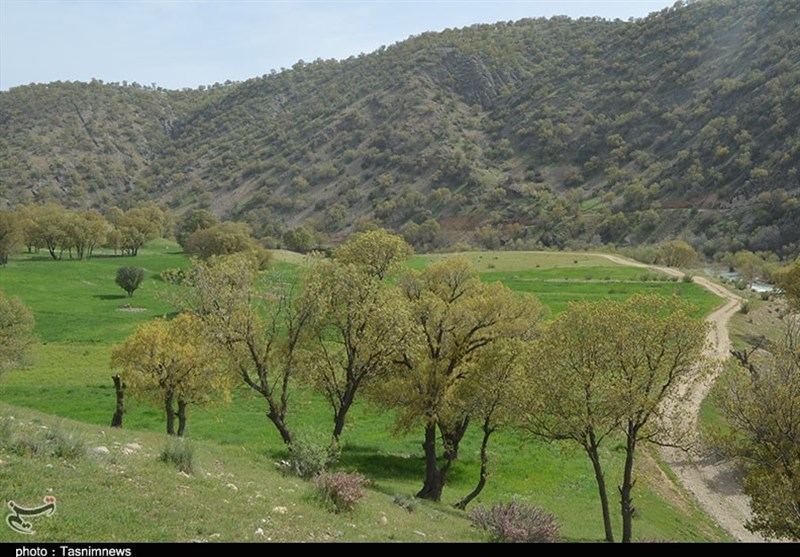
(168, 399)
(119, 389)
(340, 414)
(277, 419)
(181, 417)
(434, 477)
(594, 456)
(487, 432)
(451, 438)
(627, 486)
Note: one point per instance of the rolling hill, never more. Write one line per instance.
(553, 132)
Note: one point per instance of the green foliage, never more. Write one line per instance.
(180, 453)
(16, 326)
(129, 279)
(308, 458)
(788, 280)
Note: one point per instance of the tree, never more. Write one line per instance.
(10, 235)
(456, 317)
(129, 278)
(488, 396)
(16, 327)
(759, 395)
(84, 232)
(360, 326)
(568, 391)
(788, 281)
(749, 265)
(48, 228)
(614, 366)
(137, 227)
(224, 239)
(171, 362)
(378, 252)
(257, 324)
(198, 219)
(676, 253)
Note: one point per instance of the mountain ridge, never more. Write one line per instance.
(552, 132)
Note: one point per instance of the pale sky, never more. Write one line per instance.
(182, 43)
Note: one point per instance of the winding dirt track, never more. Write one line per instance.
(714, 483)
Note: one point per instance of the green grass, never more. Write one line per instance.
(69, 378)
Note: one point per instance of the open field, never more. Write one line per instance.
(78, 309)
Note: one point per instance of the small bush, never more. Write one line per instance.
(765, 296)
(408, 503)
(741, 285)
(307, 459)
(746, 307)
(516, 523)
(341, 491)
(64, 445)
(180, 453)
(129, 278)
(687, 278)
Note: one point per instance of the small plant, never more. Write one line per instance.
(307, 459)
(129, 279)
(688, 278)
(516, 523)
(341, 491)
(765, 296)
(64, 445)
(746, 307)
(408, 503)
(180, 453)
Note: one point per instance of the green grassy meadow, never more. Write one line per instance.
(80, 313)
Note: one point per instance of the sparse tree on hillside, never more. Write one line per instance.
(173, 363)
(456, 317)
(129, 279)
(257, 324)
(16, 327)
(676, 253)
(788, 280)
(10, 235)
(360, 327)
(378, 252)
(759, 395)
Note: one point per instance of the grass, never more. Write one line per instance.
(78, 320)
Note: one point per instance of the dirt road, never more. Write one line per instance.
(714, 483)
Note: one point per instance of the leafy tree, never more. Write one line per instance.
(759, 395)
(84, 232)
(610, 365)
(10, 235)
(360, 326)
(198, 219)
(788, 280)
(749, 265)
(299, 239)
(224, 239)
(258, 325)
(48, 228)
(488, 396)
(173, 363)
(676, 253)
(456, 317)
(16, 326)
(137, 227)
(129, 279)
(378, 252)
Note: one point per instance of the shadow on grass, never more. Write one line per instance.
(377, 465)
(111, 296)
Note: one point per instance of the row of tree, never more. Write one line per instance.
(439, 346)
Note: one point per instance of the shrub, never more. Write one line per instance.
(307, 459)
(64, 445)
(180, 453)
(516, 523)
(765, 296)
(746, 307)
(687, 278)
(408, 503)
(341, 491)
(129, 279)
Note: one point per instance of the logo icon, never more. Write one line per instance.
(17, 519)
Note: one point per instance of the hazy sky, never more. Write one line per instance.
(183, 43)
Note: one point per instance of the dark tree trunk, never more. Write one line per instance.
(594, 456)
(119, 389)
(181, 417)
(434, 477)
(168, 399)
(340, 414)
(280, 424)
(487, 432)
(452, 436)
(627, 486)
